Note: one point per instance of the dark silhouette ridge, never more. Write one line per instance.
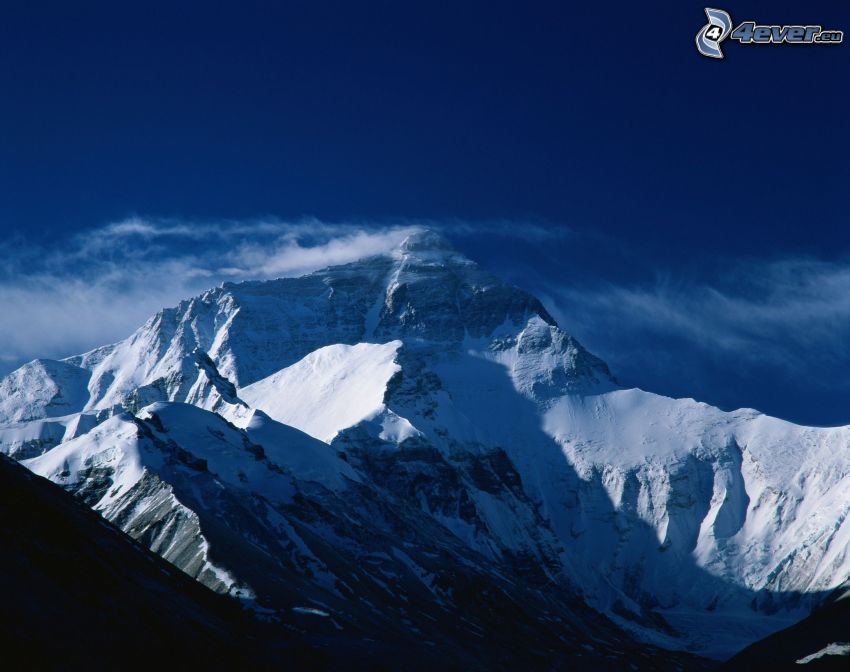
(80, 594)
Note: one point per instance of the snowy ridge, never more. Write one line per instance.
(331, 389)
(355, 434)
(43, 388)
(115, 470)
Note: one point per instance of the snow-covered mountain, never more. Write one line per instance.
(406, 445)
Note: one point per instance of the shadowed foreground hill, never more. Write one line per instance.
(77, 593)
(819, 642)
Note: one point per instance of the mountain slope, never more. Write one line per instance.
(80, 594)
(819, 642)
(423, 292)
(43, 388)
(331, 389)
(457, 437)
(202, 494)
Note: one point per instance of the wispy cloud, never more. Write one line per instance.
(786, 320)
(99, 285)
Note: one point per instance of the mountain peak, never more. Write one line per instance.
(429, 246)
(422, 240)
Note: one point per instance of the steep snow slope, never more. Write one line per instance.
(717, 517)
(118, 469)
(774, 495)
(137, 470)
(29, 439)
(41, 389)
(330, 389)
(461, 417)
(726, 525)
(301, 454)
(203, 494)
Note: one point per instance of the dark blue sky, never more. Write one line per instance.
(680, 179)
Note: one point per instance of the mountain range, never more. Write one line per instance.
(406, 459)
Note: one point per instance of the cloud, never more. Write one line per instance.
(97, 286)
(290, 257)
(750, 332)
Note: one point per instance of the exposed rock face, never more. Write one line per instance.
(417, 449)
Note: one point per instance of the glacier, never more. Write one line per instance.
(411, 446)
